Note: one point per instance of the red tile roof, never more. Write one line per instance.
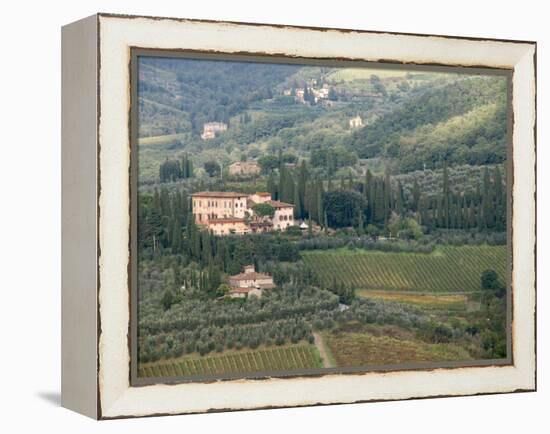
(250, 276)
(278, 204)
(222, 194)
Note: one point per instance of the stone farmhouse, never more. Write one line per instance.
(249, 283)
(211, 129)
(228, 212)
(244, 168)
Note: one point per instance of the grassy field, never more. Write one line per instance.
(424, 300)
(285, 358)
(350, 74)
(446, 269)
(366, 347)
(159, 140)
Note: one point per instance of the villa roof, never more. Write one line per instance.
(278, 204)
(262, 193)
(222, 194)
(250, 276)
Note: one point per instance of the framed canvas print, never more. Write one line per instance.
(262, 216)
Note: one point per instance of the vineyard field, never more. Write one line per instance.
(286, 358)
(446, 269)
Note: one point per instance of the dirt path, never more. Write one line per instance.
(323, 351)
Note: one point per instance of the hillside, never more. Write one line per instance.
(468, 114)
(411, 120)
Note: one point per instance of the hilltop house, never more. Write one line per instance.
(356, 122)
(249, 283)
(244, 168)
(211, 129)
(319, 94)
(228, 212)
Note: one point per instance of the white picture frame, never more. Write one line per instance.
(96, 215)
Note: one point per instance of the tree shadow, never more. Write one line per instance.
(52, 398)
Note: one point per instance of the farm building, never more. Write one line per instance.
(211, 129)
(244, 168)
(249, 282)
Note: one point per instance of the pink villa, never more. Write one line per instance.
(227, 212)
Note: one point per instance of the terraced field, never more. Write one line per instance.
(286, 358)
(446, 269)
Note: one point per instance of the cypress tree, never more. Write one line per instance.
(156, 201)
(164, 202)
(176, 236)
(446, 199)
(399, 199)
(303, 176)
(440, 212)
(424, 215)
(366, 185)
(309, 200)
(272, 186)
(415, 195)
(487, 200)
(360, 222)
(372, 199)
(297, 203)
(321, 215)
(184, 166)
(500, 201)
(378, 203)
(387, 196)
(459, 211)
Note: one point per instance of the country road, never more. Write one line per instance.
(320, 344)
